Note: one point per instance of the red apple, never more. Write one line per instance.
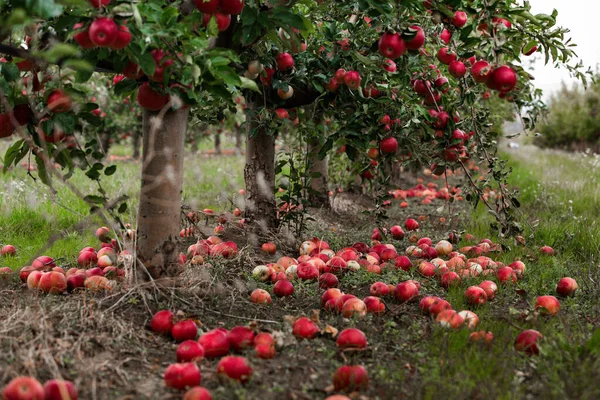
(83, 37)
(406, 291)
(207, 6)
(123, 38)
(149, 99)
(457, 69)
(374, 305)
(198, 392)
(162, 322)
(284, 61)
(233, 7)
(99, 3)
(475, 295)
(449, 319)
(502, 78)
(223, 20)
(438, 306)
(446, 56)
(103, 32)
(490, 289)
(352, 79)
(57, 389)
(379, 289)
(547, 305)
(350, 378)
(235, 368)
(418, 40)
(328, 280)
(240, 338)
(391, 45)
(527, 341)
(182, 375)
(411, 224)
(8, 250)
(184, 330)
(547, 250)
(403, 263)
(53, 282)
(354, 307)
(460, 19)
(351, 338)
(283, 288)
(215, 343)
(59, 101)
(481, 71)
(426, 303)
(304, 328)
(23, 388)
(566, 287)
(189, 350)
(388, 145)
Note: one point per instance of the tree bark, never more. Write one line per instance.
(217, 143)
(319, 196)
(136, 145)
(238, 140)
(105, 142)
(158, 221)
(259, 175)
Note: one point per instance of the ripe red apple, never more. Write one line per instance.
(198, 392)
(306, 272)
(411, 224)
(506, 275)
(223, 20)
(391, 45)
(374, 305)
(59, 101)
(23, 388)
(57, 389)
(5, 272)
(438, 306)
(527, 341)
(149, 99)
(350, 378)
(547, 250)
(33, 280)
(449, 319)
(502, 79)
(75, 280)
(328, 280)
(53, 282)
(446, 56)
(566, 287)
(235, 368)
(87, 259)
(426, 303)
(103, 32)
(460, 19)
(283, 288)
(449, 279)
(351, 338)
(397, 232)
(388, 145)
(162, 322)
(389, 66)
(354, 307)
(352, 79)
(490, 289)
(304, 328)
(457, 69)
(403, 263)
(83, 37)
(418, 40)
(269, 248)
(475, 295)
(184, 330)
(240, 338)
(207, 6)
(8, 250)
(481, 71)
(189, 350)
(547, 305)
(182, 375)
(123, 38)
(233, 7)
(215, 343)
(379, 289)
(406, 291)
(281, 113)
(284, 61)
(99, 3)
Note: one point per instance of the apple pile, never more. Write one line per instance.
(27, 387)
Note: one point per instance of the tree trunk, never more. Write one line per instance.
(217, 143)
(158, 221)
(238, 140)
(259, 175)
(105, 142)
(319, 196)
(136, 145)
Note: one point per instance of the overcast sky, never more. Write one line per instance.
(582, 18)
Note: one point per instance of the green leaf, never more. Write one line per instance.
(94, 199)
(110, 170)
(125, 86)
(228, 75)
(12, 154)
(9, 71)
(42, 172)
(147, 63)
(60, 51)
(66, 121)
(249, 84)
(78, 65)
(122, 208)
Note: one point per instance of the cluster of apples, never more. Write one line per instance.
(102, 32)
(213, 246)
(98, 269)
(27, 387)
(216, 343)
(220, 10)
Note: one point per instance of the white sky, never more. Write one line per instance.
(581, 17)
